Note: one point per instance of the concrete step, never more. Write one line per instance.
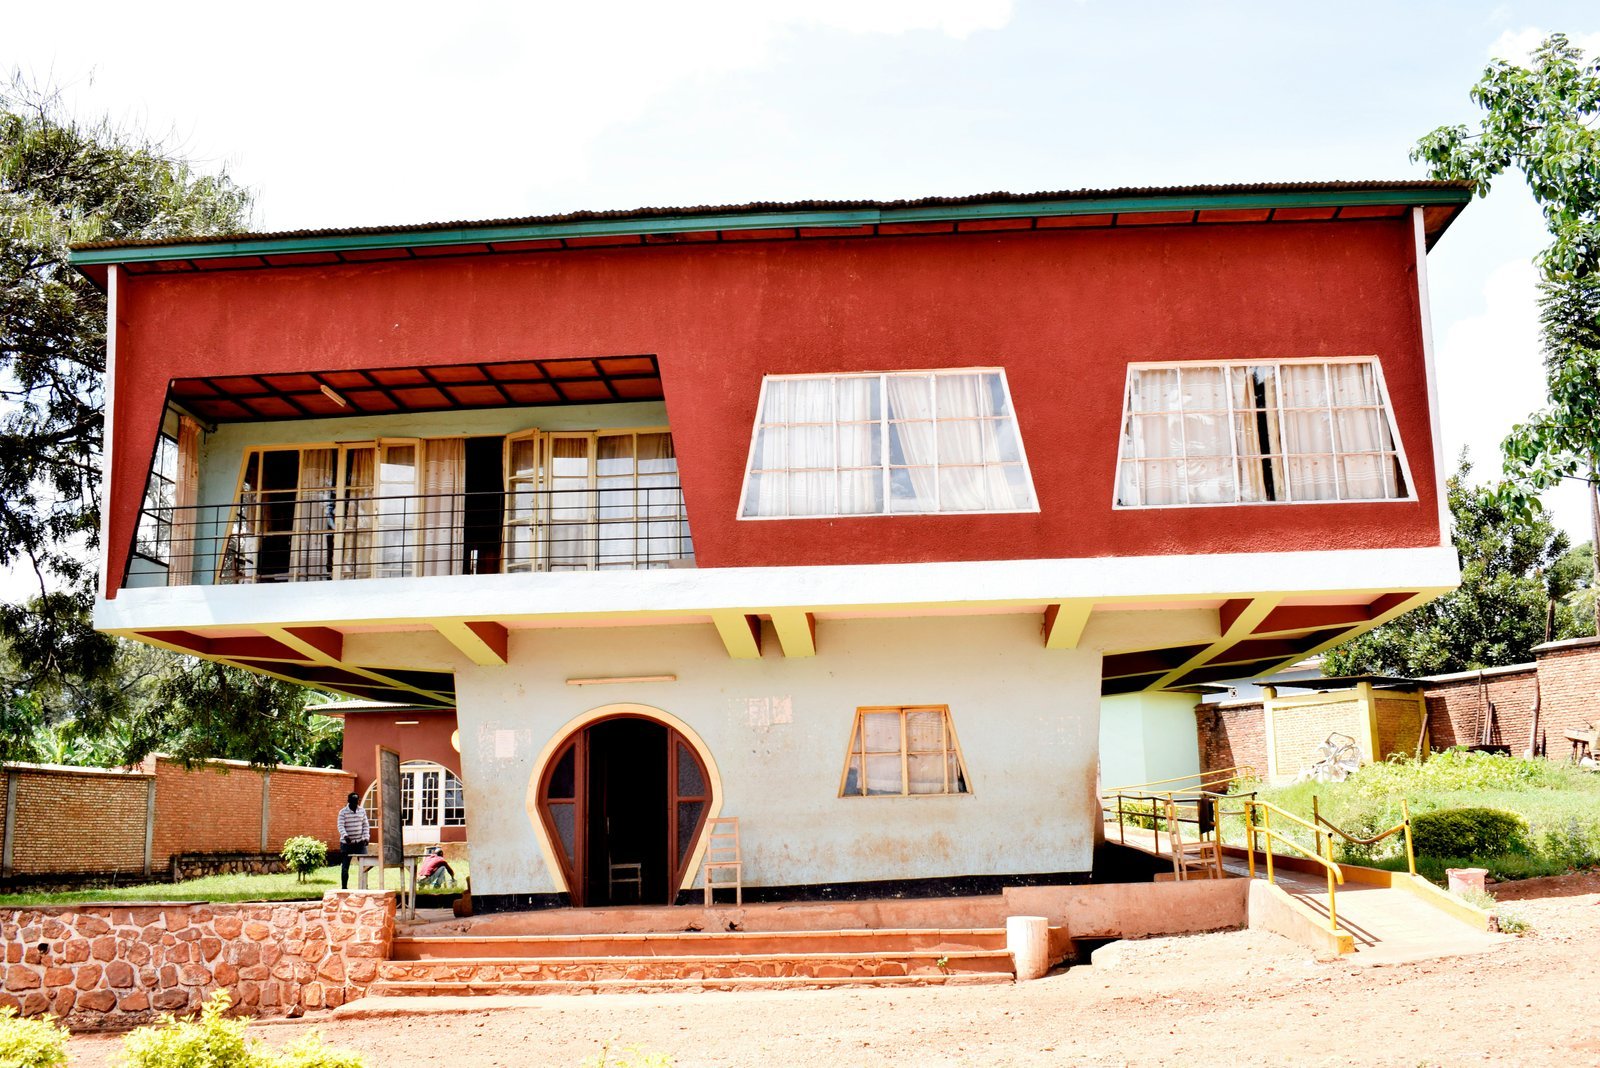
(462, 993)
(695, 943)
(834, 965)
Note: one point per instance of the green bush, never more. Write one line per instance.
(30, 1043)
(214, 1041)
(1469, 832)
(304, 855)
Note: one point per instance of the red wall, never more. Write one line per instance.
(428, 740)
(1062, 311)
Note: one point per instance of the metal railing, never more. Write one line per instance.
(1258, 828)
(321, 536)
(1196, 799)
(1403, 827)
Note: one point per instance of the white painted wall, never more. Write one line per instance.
(778, 731)
(1145, 737)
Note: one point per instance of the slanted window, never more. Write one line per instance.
(153, 540)
(1255, 433)
(901, 752)
(899, 443)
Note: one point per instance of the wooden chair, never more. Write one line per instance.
(629, 874)
(1200, 858)
(722, 855)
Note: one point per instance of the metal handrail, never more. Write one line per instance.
(1404, 825)
(1214, 775)
(1254, 832)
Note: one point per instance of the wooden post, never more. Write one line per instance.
(1028, 942)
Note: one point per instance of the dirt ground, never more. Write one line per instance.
(1243, 997)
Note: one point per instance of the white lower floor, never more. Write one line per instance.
(772, 736)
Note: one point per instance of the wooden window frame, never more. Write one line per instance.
(857, 751)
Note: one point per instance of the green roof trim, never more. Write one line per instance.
(759, 220)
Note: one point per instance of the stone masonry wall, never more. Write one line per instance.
(111, 966)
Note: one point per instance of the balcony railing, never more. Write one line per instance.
(318, 536)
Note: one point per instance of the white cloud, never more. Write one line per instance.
(1516, 46)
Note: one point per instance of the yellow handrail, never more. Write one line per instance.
(1255, 830)
(1214, 775)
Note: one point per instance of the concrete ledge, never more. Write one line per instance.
(1136, 910)
(1274, 909)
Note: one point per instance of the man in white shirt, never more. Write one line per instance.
(355, 831)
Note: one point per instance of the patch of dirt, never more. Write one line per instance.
(1242, 997)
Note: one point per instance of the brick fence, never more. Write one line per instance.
(114, 966)
(63, 821)
(1564, 680)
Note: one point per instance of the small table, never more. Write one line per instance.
(1583, 743)
(408, 880)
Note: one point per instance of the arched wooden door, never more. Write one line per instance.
(581, 806)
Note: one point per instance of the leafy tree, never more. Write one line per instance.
(67, 691)
(1512, 572)
(1544, 120)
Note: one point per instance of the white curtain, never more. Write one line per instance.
(443, 505)
(310, 550)
(355, 559)
(972, 439)
(1308, 432)
(1367, 466)
(1208, 468)
(665, 534)
(1153, 439)
(913, 478)
(185, 496)
(793, 471)
(860, 448)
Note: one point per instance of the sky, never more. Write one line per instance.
(345, 114)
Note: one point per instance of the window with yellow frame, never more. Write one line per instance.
(903, 751)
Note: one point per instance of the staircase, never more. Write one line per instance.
(549, 963)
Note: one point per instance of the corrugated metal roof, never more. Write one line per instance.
(767, 207)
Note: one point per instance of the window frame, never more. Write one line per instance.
(1385, 403)
(858, 731)
(162, 526)
(884, 465)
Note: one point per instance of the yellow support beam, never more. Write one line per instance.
(481, 642)
(1064, 623)
(797, 632)
(741, 634)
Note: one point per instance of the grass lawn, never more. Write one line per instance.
(285, 887)
(1560, 803)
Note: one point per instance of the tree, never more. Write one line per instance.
(66, 690)
(1544, 120)
(1516, 578)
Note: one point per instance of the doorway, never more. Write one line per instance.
(624, 800)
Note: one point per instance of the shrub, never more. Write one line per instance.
(30, 1043)
(304, 855)
(628, 1057)
(214, 1041)
(1469, 832)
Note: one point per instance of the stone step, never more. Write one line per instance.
(532, 988)
(588, 970)
(696, 943)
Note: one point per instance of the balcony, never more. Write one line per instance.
(322, 536)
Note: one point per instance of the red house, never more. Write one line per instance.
(836, 517)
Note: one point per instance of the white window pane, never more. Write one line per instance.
(861, 492)
(1361, 430)
(1304, 385)
(810, 400)
(1312, 478)
(968, 396)
(768, 494)
(912, 489)
(968, 441)
(772, 453)
(860, 444)
(911, 444)
(1307, 431)
(1203, 388)
(812, 493)
(1019, 489)
(1206, 434)
(1156, 436)
(1210, 481)
(1367, 477)
(810, 446)
(910, 397)
(774, 399)
(973, 489)
(1153, 390)
(858, 399)
(1354, 384)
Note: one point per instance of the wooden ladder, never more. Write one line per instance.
(723, 856)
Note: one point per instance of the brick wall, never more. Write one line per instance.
(1399, 725)
(90, 820)
(1232, 733)
(1299, 729)
(113, 966)
(1565, 678)
(76, 820)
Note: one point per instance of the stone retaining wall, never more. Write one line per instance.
(111, 966)
(200, 865)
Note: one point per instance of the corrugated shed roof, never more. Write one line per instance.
(766, 207)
